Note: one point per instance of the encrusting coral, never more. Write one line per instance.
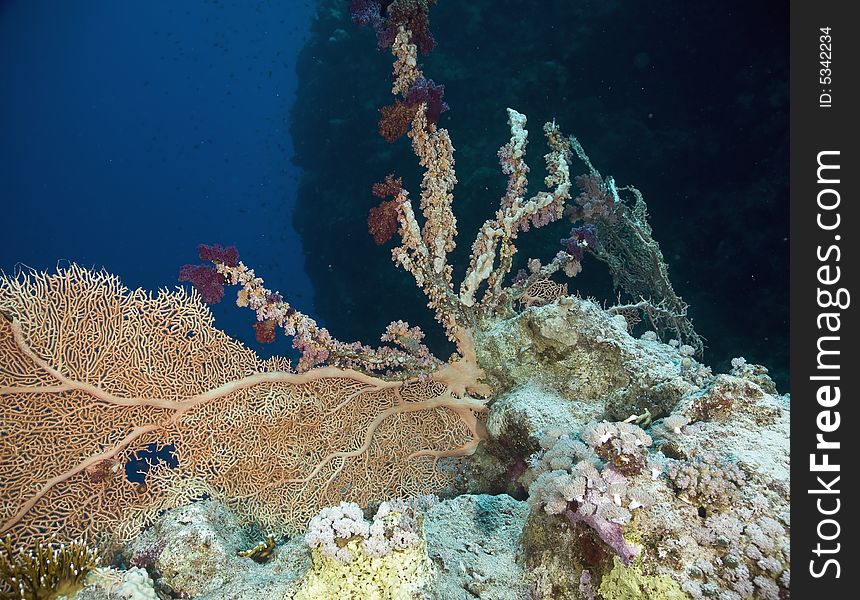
(102, 373)
(353, 558)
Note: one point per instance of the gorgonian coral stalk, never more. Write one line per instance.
(425, 244)
(316, 345)
(387, 17)
(626, 243)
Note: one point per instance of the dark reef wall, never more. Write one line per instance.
(686, 101)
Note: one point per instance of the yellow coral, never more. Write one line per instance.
(630, 583)
(394, 576)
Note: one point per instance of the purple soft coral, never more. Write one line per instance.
(387, 16)
(581, 238)
(205, 278)
(427, 91)
(217, 253)
(208, 282)
(609, 532)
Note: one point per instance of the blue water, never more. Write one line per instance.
(132, 131)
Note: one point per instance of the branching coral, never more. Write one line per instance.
(318, 347)
(615, 230)
(516, 214)
(414, 90)
(424, 247)
(49, 570)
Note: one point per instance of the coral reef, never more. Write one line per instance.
(568, 478)
(583, 352)
(462, 548)
(475, 543)
(678, 544)
(713, 485)
(644, 475)
(195, 551)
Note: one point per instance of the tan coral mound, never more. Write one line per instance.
(91, 372)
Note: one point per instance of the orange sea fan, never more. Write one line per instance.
(91, 373)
